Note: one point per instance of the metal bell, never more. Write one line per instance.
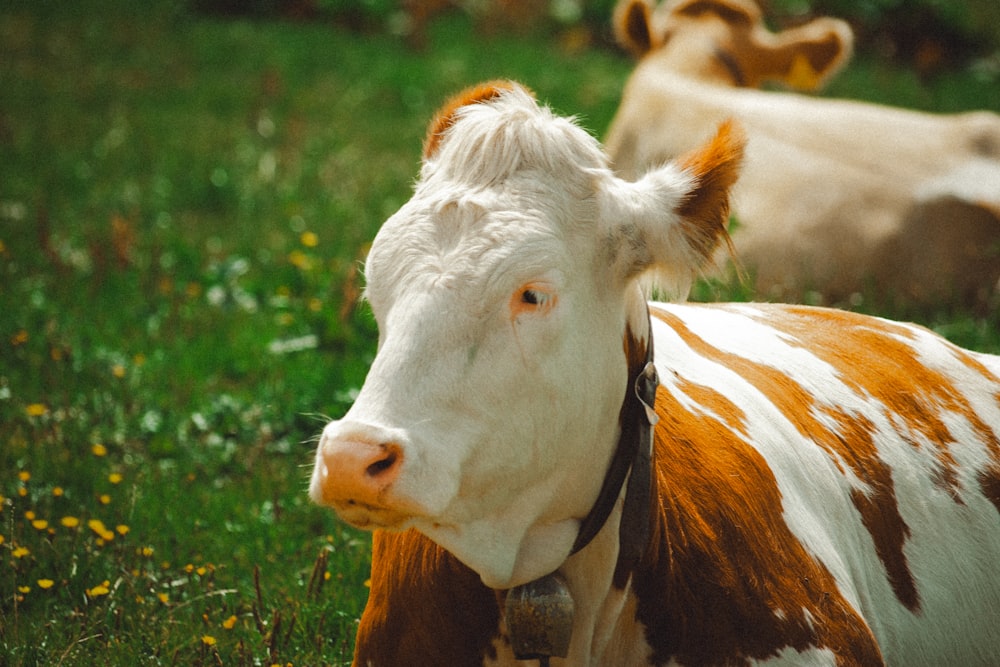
(539, 618)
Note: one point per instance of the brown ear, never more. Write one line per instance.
(715, 166)
(632, 27)
(810, 54)
(445, 117)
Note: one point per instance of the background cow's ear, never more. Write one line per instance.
(671, 221)
(445, 117)
(808, 56)
(632, 26)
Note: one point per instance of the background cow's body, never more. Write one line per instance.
(836, 196)
(825, 486)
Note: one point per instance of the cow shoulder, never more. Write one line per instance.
(740, 584)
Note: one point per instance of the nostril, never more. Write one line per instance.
(389, 457)
(385, 464)
(358, 471)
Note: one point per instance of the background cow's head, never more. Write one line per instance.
(727, 42)
(505, 292)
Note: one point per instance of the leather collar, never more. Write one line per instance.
(633, 453)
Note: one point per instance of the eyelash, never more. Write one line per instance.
(531, 300)
(533, 297)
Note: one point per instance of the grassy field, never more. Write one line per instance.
(184, 202)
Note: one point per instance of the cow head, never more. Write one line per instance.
(506, 297)
(726, 42)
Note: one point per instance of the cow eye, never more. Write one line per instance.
(531, 298)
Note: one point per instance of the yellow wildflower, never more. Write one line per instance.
(99, 450)
(21, 337)
(104, 499)
(208, 640)
(163, 597)
(229, 623)
(57, 491)
(122, 529)
(300, 260)
(24, 589)
(24, 475)
(146, 551)
(99, 590)
(29, 515)
(115, 478)
(20, 552)
(98, 527)
(309, 239)
(36, 409)
(69, 521)
(40, 524)
(45, 584)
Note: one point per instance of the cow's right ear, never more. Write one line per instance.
(670, 222)
(633, 27)
(446, 115)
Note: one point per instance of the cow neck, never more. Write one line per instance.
(633, 453)
(539, 614)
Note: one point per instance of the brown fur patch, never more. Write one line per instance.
(989, 476)
(716, 166)
(445, 117)
(725, 581)
(885, 368)
(852, 442)
(425, 608)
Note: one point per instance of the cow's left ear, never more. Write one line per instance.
(672, 220)
(808, 56)
(446, 115)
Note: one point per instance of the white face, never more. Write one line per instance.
(502, 295)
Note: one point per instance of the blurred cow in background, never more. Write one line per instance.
(836, 196)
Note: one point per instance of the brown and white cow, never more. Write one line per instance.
(836, 196)
(820, 487)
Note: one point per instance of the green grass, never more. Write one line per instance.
(184, 202)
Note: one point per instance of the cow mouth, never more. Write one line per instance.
(366, 516)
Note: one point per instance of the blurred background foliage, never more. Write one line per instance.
(927, 34)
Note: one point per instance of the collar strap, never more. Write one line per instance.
(634, 452)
